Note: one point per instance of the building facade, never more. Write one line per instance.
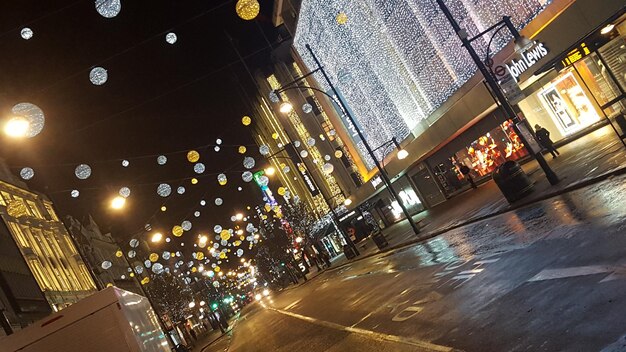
(98, 248)
(44, 243)
(402, 71)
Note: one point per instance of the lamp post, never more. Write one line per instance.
(346, 111)
(493, 85)
(335, 217)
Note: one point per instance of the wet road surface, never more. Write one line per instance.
(547, 277)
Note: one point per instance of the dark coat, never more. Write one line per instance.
(543, 137)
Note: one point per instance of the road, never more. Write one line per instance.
(547, 277)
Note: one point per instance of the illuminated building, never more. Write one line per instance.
(44, 243)
(401, 69)
(97, 247)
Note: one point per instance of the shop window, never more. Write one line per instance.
(487, 152)
(327, 126)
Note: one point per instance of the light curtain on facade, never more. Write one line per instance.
(395, 62)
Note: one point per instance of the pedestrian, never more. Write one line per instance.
(466, 172)
(543, 137)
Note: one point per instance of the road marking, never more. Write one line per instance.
(562, 273)
(367, 333)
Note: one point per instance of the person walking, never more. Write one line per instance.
(543, 137)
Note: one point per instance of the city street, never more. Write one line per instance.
(546, 277)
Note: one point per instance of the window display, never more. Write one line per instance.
(490, 150)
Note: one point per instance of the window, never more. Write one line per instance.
(34, 209)
(18, 234)
(51, 212)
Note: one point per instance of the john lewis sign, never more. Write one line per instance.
(528, 58)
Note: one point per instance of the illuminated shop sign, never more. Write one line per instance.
(376, 181)
(528, 58)
(575, 55)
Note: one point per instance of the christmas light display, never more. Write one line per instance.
(395, 62)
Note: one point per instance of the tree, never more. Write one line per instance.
(170, 295)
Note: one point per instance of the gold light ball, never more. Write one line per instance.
(225, 235)
(275, 135)
(163, 208)
(194, 181)
(342, 18)
(193, 156)
(247, 9)
(281, 191)
(153, 257)
(145, 280)
(199, 256)
(246, 120)
(119, 254)
(338, 154)
(242, 149)
(177, 231)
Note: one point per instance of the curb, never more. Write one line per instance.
(511, 207)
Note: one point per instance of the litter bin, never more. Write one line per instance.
(512, 181)
(349, 251)
(380, 240)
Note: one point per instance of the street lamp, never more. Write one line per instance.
(286, 107)
(337, 98)
(347, 202)
(493, 85)
(16, 127)
(270, 171)
(157, 237)
(118, 202)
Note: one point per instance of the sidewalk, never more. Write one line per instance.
(587, 160)
(210, 337)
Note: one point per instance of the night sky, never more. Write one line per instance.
(159, 99)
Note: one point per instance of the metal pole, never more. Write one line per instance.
(367, 146)
(508, 109)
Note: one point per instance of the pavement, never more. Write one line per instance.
(582, 162)
(548, 276)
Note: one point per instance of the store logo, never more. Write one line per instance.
(528, 59)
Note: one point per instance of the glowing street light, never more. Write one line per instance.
(239, 216)
(286, 107)
(402, 154)
(270, 171)
(118, 203)
(17, 127)
(347, 202)
(157, 237)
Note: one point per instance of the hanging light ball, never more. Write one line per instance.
(247, 9)
(164, 190)
(248, 162)
(26, 33)
(242, 149)
(196, 214)
(264, 181)
(338, 154)
(275, 135)
(203, 202)
(194, 181)
(342, 18)
(161, 160)
(193, 156)
(125, 163)
(75, 193)
(27, 173)
(222, 179)
(216, 148)
(247, 176)
(327, 157)
(33, 114)
(186, 225)
(199, 168)
(246, 120)
(98, 76)
(217, 228)
(124, 192)
(304, 153)
(219, 201)
(307, 108)
(108, 8)
(310, 142)
(180, 190)
(264, 150)
(281, 191)
(82, 171)
(286, 169)
(328, 168)
(177, 231)
(106, 265)
(171, 38)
